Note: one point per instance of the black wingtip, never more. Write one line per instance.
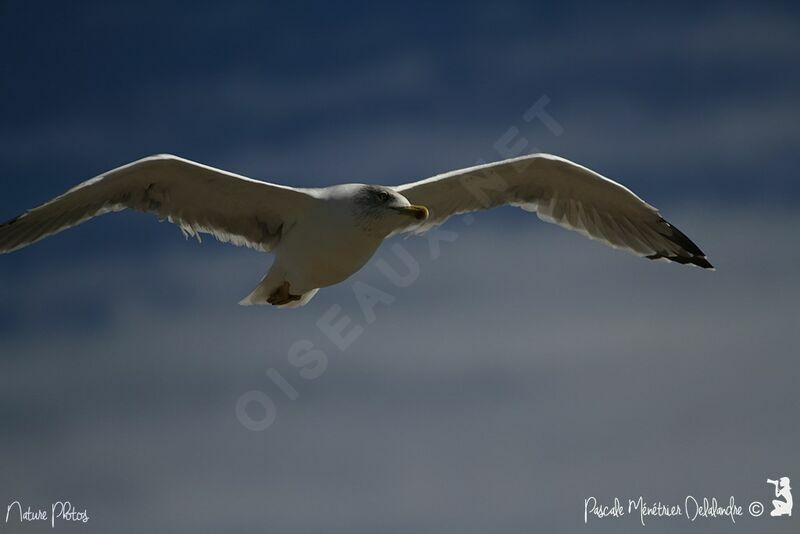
(691, 253)
(699, 261)
(704, 263)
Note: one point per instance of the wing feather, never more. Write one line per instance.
(560, 192)
(198, 198)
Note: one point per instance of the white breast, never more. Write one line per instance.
(324, 248)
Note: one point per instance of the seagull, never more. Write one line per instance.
(321, 236)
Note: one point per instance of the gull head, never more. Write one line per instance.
(381, 209)
(384, 202)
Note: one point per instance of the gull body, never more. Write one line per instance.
(332, 242)
(321, 236)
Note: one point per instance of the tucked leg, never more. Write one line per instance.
(282, 295)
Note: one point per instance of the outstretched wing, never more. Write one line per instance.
(198, 198)
(560, 192)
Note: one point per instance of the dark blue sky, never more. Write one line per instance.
(657, 96)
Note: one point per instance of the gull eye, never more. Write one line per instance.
(383, 196)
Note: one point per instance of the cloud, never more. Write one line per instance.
(523, 371)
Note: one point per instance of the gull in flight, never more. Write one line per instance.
(321, 236)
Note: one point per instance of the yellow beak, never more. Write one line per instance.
(418, 212)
